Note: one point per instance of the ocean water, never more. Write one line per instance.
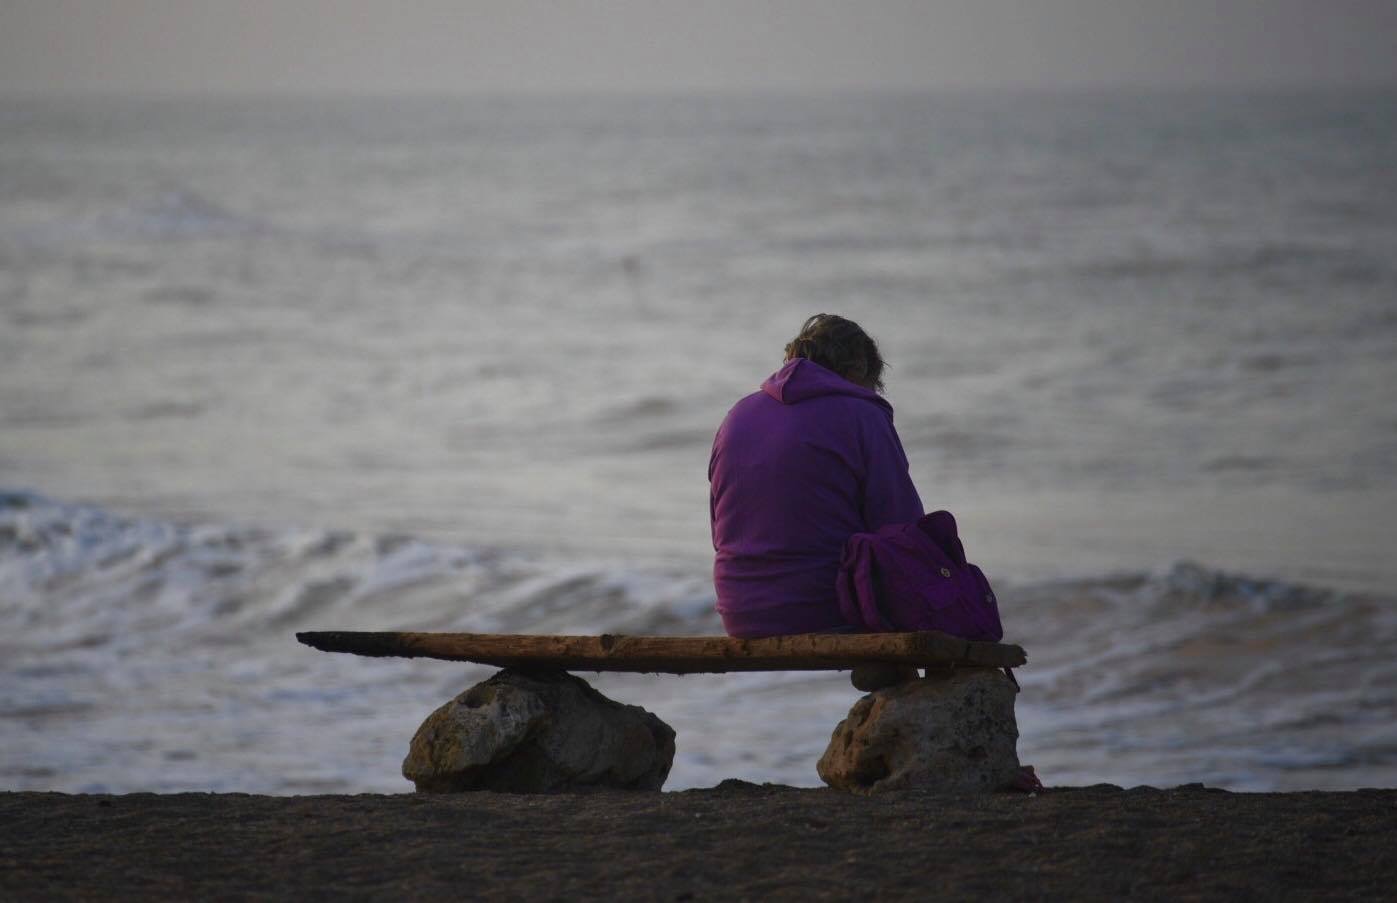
(273, 365)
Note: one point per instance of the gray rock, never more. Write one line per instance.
(538, 732)
(951, 732)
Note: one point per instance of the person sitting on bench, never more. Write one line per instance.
(796, 469)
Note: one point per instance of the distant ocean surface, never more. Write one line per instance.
(274, 365)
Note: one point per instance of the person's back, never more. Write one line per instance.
(797, 468)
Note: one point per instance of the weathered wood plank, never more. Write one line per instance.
(676, 655)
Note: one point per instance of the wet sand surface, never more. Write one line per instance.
(734, 841)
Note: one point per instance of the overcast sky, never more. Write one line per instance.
(436, 46)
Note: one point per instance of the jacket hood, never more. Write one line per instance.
(801, 379)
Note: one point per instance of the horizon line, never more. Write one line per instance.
(725, 92)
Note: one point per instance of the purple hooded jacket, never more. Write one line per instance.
(797, 469)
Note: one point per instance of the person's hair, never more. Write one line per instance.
(842, 346)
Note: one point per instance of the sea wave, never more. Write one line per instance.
(146, 654)
(79, 574)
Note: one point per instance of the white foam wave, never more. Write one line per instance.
(141, 654)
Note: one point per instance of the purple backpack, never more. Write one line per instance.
(915, 577)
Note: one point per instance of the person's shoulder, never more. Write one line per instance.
(756, 400)
(872, 410)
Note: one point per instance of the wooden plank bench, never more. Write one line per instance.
(877, 660)
(678, 655)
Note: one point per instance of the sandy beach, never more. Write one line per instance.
(733, 841)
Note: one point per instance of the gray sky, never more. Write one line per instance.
(436, 46)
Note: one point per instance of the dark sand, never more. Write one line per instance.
(736, 841)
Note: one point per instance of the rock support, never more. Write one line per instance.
(538, 732)
(953, 732)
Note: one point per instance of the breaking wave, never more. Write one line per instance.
(144, 654)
